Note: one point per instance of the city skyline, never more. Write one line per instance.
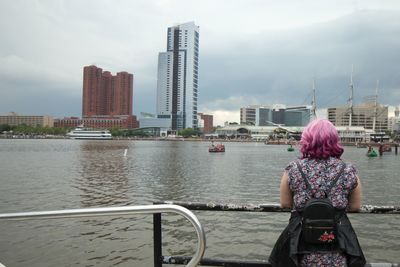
(259, 53)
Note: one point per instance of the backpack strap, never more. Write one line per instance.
(303, 175)
(328, 189)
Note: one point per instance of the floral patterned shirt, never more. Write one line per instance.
(320, 174)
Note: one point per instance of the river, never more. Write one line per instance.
(66, 174)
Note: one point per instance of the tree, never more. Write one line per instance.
(5, 127)
(188, 132)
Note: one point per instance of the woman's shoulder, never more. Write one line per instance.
(340, 162)
(349, 176)
(294, 164)
(349, 168)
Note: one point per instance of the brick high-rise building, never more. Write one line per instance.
(207, 124)
(92, 77)
(106, 100)
(105, 94)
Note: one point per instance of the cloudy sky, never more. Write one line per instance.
(251, 52)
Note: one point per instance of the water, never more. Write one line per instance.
(66, 174)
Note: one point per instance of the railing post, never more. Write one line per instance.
(157, 240)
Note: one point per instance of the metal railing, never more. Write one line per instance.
(271, 207)
(156, 210)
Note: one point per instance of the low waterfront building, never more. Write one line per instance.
(368, 115)
(154, 122)
(352, 134)
(13, 119)
(256, 132)
(99, 122)
(290, 116)
(155, 126)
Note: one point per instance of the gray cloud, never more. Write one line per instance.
(280, 66)
(245, 59)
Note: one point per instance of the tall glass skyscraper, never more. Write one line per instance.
(177, 85)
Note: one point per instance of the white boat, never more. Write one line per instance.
(81, 132)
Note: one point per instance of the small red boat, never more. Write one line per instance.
(216, 148)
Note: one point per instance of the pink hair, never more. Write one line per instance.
(320, 140)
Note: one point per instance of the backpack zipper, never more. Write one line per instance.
(319, 227)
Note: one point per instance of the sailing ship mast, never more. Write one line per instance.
(351, 97)
(313, 103)
(375, 106)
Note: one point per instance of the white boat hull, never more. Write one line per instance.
(91, 137)
(89, 134)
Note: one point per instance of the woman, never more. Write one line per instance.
(327, 176)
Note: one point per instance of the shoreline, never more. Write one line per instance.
(218, 140)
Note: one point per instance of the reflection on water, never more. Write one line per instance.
(65, 174)
(103, 174)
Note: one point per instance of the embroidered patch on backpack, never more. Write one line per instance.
(325, 237)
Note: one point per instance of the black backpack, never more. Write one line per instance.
(319, 215)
